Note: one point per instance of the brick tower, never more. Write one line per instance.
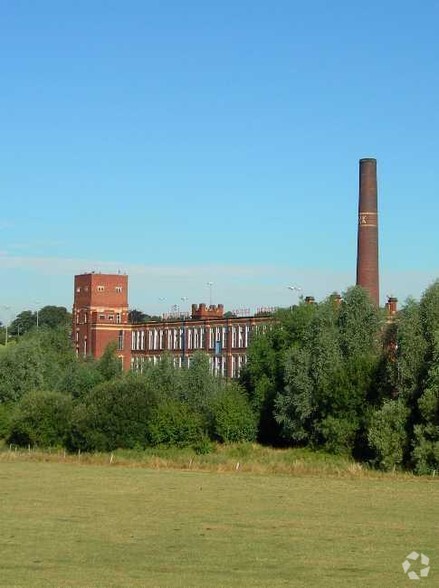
(367, 249)
(100, 315)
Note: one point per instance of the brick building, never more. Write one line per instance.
(100, 316)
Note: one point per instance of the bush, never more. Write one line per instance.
(339, 434)
(81, 377)
(232, 417)
(6, 414)
(41, 418)
(387, 434)
(426, 449)
(113, 415)
(173, 422)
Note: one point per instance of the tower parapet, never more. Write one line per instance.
(202, 311)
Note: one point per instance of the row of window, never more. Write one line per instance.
(84, 351)
(180, 338)
(117, 289)
(82, 318)
(218, 364)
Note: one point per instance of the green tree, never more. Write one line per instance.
(264, 375)
(408, 362)
(41, 418)
(330, 375)
(109, 365)
(426, 430)
(199, 385)
(54, 316)
(387, 434)
(21, 370)
(23, 322)
(114, 414)
(174, 423)
(232, 417)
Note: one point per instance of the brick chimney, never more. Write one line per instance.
(367, 248)
(391, 306)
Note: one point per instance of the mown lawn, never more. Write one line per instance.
(116, 526)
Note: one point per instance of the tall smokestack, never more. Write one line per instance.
(367, 250)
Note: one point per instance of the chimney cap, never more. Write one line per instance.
(365, 159)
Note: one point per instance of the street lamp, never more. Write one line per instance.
(184, 299)
(294, 288)
(5, 307)
(37, 304)
(210, 284)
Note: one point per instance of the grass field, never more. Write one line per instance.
(70, 524)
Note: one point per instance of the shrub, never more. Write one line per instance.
(232, 417)
(6, 414)
(338, 434)
(173, 422)
(113, 415)
(426, 449)
(41, 418)
(387, 434)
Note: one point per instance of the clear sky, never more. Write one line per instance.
(187, 142)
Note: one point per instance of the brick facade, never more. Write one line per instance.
(100, 316)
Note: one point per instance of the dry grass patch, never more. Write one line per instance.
(65, 525)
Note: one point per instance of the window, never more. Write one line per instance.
(120, 341)
(118, 318)
(78, 289)
(110, 317)
(240, 336)
(118, 289)
(100, 288)
(102, 317)
(224, 337)
(234, 337)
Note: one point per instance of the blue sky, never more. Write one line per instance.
(188, 142)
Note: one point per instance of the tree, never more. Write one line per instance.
(114, 414)
(41, 418)
(109, 366)
(54, 316)
(232, 417)
(23, 322)
(48, 316)
(21, 370)
(175, 423)
(387, 434)
(264, 375)
(358, 323)
(408, 365)
(136, 317)
(426, 430)
(330, 374)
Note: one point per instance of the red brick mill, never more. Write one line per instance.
(101, 316)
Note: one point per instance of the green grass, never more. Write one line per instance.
(76, 525)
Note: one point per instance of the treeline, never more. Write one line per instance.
(337, 376)
(48, 397)
(340, 376)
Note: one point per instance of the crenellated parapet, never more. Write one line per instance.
(202, 311)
